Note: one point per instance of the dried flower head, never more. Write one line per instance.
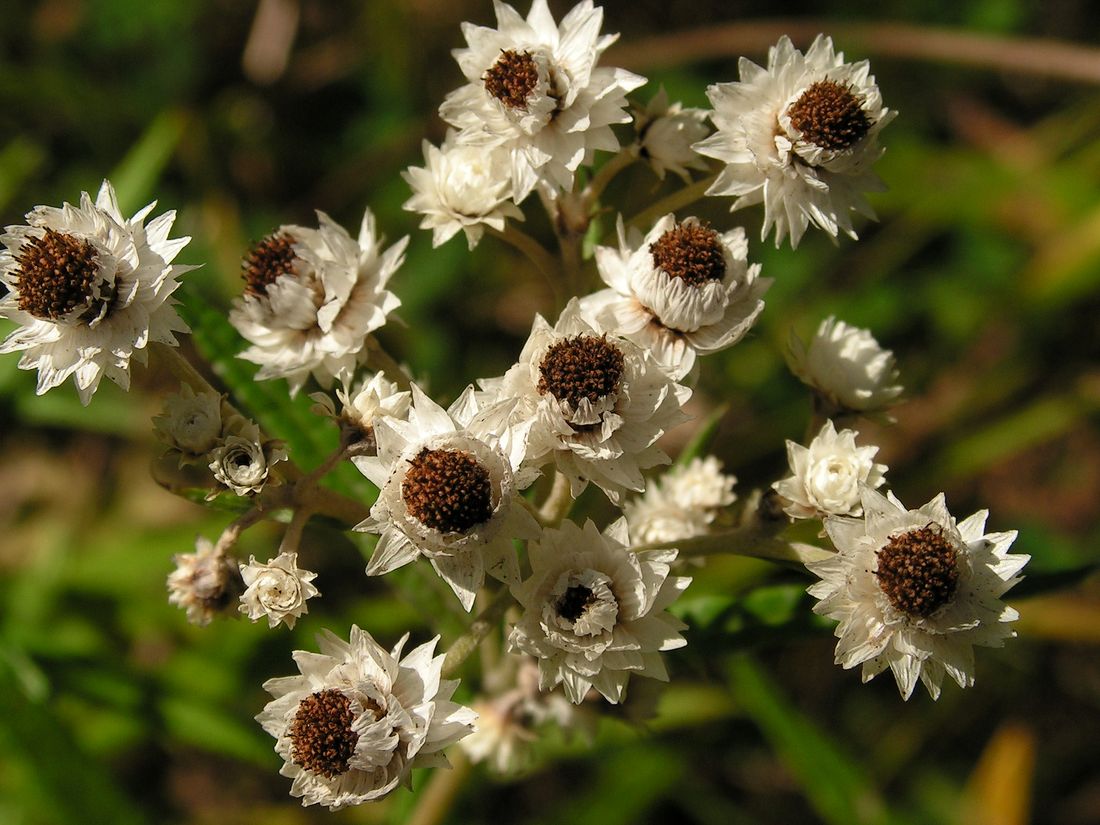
(204, 583)
(277, 589)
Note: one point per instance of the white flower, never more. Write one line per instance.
(681, 503)
(191, 423)
(462, 187)
(682, 289)
(595, 404)
(204, 583)
(311, 298)
(243, 460)
(447, 491)
(375, 398)
(359, 719)
(846, 365)
(827, 477)
(666, 134)
(277, 589)
(89, 290)
(534, 89)
(594, 612)
(800, 137)
(914, 591)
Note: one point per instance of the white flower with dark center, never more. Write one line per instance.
(799, 137)
(666, 133)
(914, 591)
(535, 90)
(375, 398)
(827, 477)
(277, 589)
(191, 423)
(312, 296)
(462, 187)
(447, 491)
(243, 460)
(682, 289)
(359, 719)
(847, 367)
(89, 290)
(594, 612)
(595, 404)
(681, 503)
(204, 583)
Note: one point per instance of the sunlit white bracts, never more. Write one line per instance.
(680, 503)
(89, 290)
(594, 611)
(359, 718)
(799, 137)
(311, 298)
(276, 590)
(914, 591)
(373, 399)
(534, 89)
(666, 133)
(243, 459)
(448, 491)
(682, 289)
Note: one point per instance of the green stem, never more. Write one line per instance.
(558, 502)
(381, 361)
(481, 627)
(438, 798)
(537, 254)
(758, 540)
(606, 173)
(677, 200)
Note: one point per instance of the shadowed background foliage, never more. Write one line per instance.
(982, 276)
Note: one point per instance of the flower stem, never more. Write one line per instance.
(627, 155)
(537, 254)
(558, 502)
(758, 539)
(382, 361)
(677, 200)
(481, 627)
(439, 796)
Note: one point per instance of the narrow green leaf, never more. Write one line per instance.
(136, 176)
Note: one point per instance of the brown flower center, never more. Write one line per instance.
(829, 115)
(512, 78)
(57, 274)
(691, 252)
(321, 733)
(918, 571)
(583, 366)
(266, 261)
(574, 601)
(448, 490)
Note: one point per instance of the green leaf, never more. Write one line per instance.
(136, 176)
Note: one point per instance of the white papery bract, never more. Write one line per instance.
(594, 611)
(828, 476)
(448, 491)
(847, 367)
(535, 90)
(681, 503)
(914, 591)
(243, 459)
(312, 297)
(359, 718)
(683, 289)
(374, 398)
(89, 290)
(591, 403)
(799, 137)
(190, 424)
(276, 589)
(666, 134)
(462, 187)
(203, 583)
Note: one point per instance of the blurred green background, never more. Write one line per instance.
(982, 276)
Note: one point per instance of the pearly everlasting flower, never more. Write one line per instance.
(447, 491)
(312, 296)
(535, 90)
(799, 137)
(681, 503)
(914, 591)
(462, 187)
(846, 366)
(190, 424)
(204, 583)
(595, 404)
(277, 589)
(374, 398)
(594, 612)
(666, 133)
(682, 289)
(89, 290)
(359, 718)
(827, 477)
(243, 460)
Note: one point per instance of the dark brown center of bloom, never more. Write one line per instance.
(574, 601)
(583, 366)
(448, 490)
(512, 78)
(57, 274)
(321, 734)
(266, 261)
(691, 252)
(829, 115)
(918, 571)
